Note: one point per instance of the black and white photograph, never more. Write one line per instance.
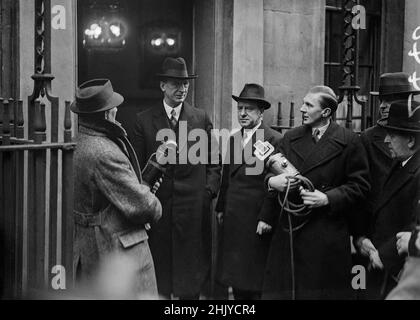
(207, 156)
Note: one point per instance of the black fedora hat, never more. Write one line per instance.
(95, 96)
(394, 83)
(253, 92)
(175, 68)
(404, 115)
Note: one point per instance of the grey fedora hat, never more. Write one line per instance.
(95, 96)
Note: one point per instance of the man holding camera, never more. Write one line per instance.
(314, 261)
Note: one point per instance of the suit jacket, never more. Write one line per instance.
(178, 242)
(111, 205)
(243, 199)
(380, 163)
(396, 211)
(337, 166)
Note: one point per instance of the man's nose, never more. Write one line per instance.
(303, 108)
(387, 139)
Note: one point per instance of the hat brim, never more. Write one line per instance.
(376, 93)
(115, 100)
(265, 103)
(190, 76)
(384, 124)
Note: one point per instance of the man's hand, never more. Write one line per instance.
(417, 243)
(365, 246)
(375, 260)
(219, 217)
(278, 182)
(156, 186)
(263, 227)
(315, 199)
(402, 242)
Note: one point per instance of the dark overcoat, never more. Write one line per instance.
(178, 241)
(111, 206)
(242, 199)
(380, 163)
(395, 212)
(337, 166)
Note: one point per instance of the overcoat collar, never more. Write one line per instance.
(116, 133)
(328, 147)
(407, 173)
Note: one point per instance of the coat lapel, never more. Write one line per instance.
(328, 147)
(235, 149)
(187, 115)
(246, 155)
(160, 119)
(395, 183)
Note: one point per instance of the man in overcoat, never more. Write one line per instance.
(242, 201)
(111, 204)
(395, 213)
(179, 245)
(334, 160)
(392, 86)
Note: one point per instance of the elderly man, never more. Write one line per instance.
(395, 212)
(392, 86)
(177, 241)
(242, 201)
(111, 205)
(313, 260)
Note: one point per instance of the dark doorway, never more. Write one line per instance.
(126, 42)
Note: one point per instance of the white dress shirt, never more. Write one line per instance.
(321, 130)
(248, 133)
(169, 109)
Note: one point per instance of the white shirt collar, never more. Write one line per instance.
(248, 133)
(405, 162)
(169, 109)
(321, 129)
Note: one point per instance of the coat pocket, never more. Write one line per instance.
(132, 237)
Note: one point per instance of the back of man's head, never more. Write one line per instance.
(327, 97)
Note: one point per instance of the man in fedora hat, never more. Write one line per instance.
(179, 245)
(317, 263)
(392, 86)
(111, 204)
(242, 205)
(395, 211)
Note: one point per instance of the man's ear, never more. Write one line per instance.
(411, 141)
(162, 86)
(326, 112)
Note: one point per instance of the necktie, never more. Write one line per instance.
(315, 135)
(245, 138)
(173, 120)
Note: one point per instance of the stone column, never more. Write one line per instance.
(294, 41)
(248, 47)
